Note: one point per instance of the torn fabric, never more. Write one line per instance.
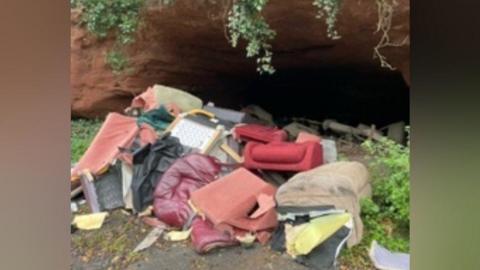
(118, 131)
(230, 201)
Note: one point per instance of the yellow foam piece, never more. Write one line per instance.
(302, 239)
(178, 235)
(90, 221)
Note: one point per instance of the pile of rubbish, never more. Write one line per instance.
(221, 178)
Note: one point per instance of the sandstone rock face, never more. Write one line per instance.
(185, 46)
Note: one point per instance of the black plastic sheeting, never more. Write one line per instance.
(149, 164)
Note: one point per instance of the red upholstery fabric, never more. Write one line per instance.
(173, 191)
(205, 237)
(230, 201)
(272, 153)
(259, 133)
(146, 100)
(116, 132)
(283, 156)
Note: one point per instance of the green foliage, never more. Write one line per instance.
(329, 10)
(387, 214)
(103, 16)
(246, 22)
(82, 133)
(117, 61)
(121, 17)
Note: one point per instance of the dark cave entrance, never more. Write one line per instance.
(350, 96)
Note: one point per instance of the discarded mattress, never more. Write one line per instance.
(205, 237)
(117, 131)
(159, 95)
(283, 156)
(339, 184)
(173, 190)
(149, 164)
(259, 133)
(230, 201)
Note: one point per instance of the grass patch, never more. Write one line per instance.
(112, 244)
(82, 133)
(356, 257)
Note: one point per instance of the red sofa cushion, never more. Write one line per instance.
(283, 156)
(278, 153)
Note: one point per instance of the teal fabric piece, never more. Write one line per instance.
(159, 118)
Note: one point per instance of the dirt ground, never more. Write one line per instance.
(111, 246)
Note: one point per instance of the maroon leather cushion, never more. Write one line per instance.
(184, 176)
(205, 237)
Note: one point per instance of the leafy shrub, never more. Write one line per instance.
(329, 10)
(116, 60)
(120, 17)
(246, 22)
(103, 16)
(387, 214)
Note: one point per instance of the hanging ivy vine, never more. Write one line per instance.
(244, 22)
(328, 9)
(102, 17)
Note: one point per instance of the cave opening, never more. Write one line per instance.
(349, 96)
